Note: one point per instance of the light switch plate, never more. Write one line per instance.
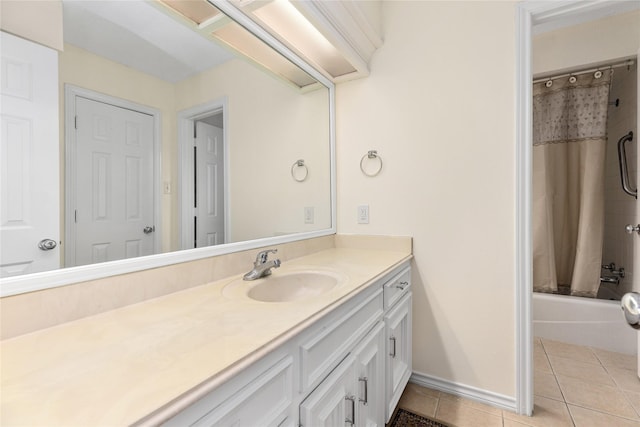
(363, 214)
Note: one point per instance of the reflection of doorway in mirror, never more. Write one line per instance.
(111, 206)
(202, 178)
(209, 181)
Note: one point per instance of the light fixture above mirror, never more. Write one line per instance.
(337, 37)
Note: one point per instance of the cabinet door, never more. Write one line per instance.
(333, 403)
(370, 364)
(398, 333)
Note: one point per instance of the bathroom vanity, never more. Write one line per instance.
(213, 355)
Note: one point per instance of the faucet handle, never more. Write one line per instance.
(261, 258)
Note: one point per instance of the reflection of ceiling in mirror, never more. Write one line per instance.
(155, 44)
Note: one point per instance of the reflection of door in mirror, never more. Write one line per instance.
(30, 212)
(113, 184)
(202, 180)
(209, 187)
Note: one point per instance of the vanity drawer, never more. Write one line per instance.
(323, 348)
(255, 397)
(396, 288)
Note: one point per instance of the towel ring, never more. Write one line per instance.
(371, 154)
(299, 177)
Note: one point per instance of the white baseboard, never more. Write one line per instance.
(466, 391)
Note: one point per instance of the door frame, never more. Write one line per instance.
(70, 93)
(186, 120)
(549, 15)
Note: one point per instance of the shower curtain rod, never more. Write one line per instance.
(626, 63)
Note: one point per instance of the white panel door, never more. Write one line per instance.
(114, 183)
(209, 197)
(370, 365)
(398, 323)
(30, 179)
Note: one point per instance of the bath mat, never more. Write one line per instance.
(409, 419)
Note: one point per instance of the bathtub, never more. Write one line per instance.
(583, 321)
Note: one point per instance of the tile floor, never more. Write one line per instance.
(573, 386)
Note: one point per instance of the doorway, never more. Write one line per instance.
(203, 176)
(549, 15)
(111, 179)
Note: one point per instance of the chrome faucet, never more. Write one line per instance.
(262, 267)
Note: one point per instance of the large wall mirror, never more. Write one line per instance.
(186, 131)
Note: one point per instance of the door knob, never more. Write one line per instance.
(630, 228)
(630, 303)
(149, 230)
(47, 244)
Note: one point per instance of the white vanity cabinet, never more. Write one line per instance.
(398, 327)
(348, 368)
(353, 394)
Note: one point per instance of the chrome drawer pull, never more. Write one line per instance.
(402, 285)
(351, 421)
(366, 390)
(393, 352)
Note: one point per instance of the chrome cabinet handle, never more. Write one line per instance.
(148, 230)
(630, 228)
(351, 421)
(393, 352)
(402, 285)
(365, 380)
(47, 244)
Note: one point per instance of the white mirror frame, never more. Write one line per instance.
(66, 276)
(548, 15)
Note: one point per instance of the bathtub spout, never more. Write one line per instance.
(610, 279)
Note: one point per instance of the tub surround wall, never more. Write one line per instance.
(619, 207)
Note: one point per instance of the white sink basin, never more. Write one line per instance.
(285, 286)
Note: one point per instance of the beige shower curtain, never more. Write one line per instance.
(569, 140)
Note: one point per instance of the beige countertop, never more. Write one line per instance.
(118, 367)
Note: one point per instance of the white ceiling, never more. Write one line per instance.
(136, 34)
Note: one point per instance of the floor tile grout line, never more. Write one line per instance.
(618, 386)
(601, 364)
(626, 397)
(570, 414)
(602, 412)
(555, 378)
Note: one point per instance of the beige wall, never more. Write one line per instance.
(439, 106)
(270, 125)
(36, 20)
(607, 39)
